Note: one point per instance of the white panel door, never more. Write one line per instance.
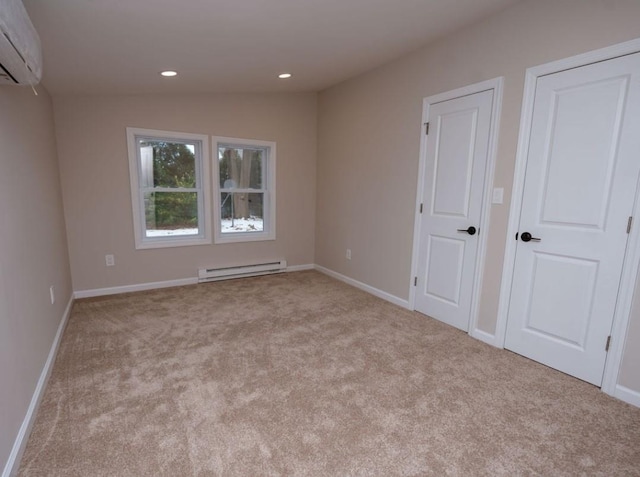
(581, 178)
(455, 161)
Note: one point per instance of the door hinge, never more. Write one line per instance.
(420, 208)
(415, 281)
(606, 348)
(629, 222)
(426, 128)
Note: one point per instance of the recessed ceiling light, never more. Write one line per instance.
(169, 73)
(284, 75)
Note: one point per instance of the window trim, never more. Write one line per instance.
(268, 189)
(203, 189)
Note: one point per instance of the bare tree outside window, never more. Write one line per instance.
(241, 184)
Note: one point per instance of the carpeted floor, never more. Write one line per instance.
(299, 374)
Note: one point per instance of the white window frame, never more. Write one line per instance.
(269, 191)
(203, 189)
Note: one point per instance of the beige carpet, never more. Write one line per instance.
(298, 374)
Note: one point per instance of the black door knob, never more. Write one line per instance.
(471, 230)
(527, 237)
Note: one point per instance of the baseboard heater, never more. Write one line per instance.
(240, 271)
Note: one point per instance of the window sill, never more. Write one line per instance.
(173, 242)
(240, 237)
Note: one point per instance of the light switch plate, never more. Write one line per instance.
(498, 195)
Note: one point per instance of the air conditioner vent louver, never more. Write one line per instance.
(20, 52)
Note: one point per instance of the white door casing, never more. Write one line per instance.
(582, 170)
(454, 157)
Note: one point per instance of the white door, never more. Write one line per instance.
(456, 153)
(580, 184)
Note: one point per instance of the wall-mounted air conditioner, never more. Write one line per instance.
(20, 53)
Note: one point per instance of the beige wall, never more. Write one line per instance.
(629, 376)
(369, 136)
(33, 252)
(95, 178)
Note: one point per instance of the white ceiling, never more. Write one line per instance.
(120, 46)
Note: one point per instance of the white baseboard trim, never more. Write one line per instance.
(485, 337)
(134, 288)
(13, 463)
(627, 395)
(300, 268)
(155, 285)
(363, 286)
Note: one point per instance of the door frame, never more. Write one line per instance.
(632, 255)
(495, 84)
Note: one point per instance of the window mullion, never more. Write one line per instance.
(169, 189)
(243, 191)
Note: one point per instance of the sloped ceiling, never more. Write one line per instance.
(120, 46)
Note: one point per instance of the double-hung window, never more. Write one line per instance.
(169, 174)
(244, 175)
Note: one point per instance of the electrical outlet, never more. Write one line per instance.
(110, 260)
(52, 294)
(348, 254)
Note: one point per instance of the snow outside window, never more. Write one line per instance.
(244, 173)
